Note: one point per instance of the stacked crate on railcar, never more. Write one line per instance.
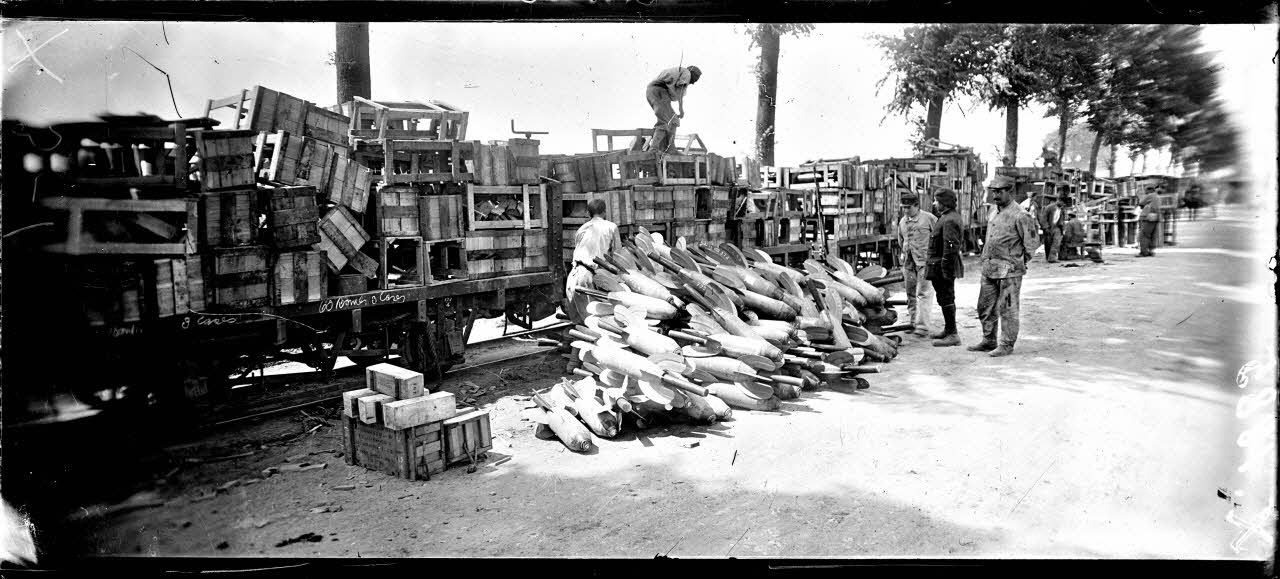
(684, 193)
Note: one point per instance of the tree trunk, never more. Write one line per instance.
(768, 85)
(1011, 135)
(1111, 162)
(933, 122)
(1144, 163)
(351, 58)
(1093, 153)
(1064, 123)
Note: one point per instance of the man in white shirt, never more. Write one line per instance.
(913, 237)
(670, 86)
(595, 238)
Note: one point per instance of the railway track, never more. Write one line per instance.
(347, 378)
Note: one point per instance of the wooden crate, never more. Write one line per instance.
(405, 161)
(664, 205)
(241, 277)
(824, 175)
(226, 158)
(774, 177)
(176, 286)
(564, 169)
(527, 162)
(446, 260)
(111, 295)
(685, 204)
(692, 231)
(392, 380)
(350, 185)
(119, 226)
(467, 435)
(396, 211)
(380, 120)
(716, 232)
(721, 170)
(441, 216)
(535, 251)
(747, 174)
(640, 168)
(297, 160)
(348, 284)
(532, 199)
(412, 453)
(341, 239)
(140, 152)
(261, 109)
(228, 218)
(619, 206)
(494, 253)
(298, 277)
(401, 262)
(683, 169)
(292, 216)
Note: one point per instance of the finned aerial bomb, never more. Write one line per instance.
(720, 407)
(600, 420)
(647, 375)
(654, 307)
(723, 367)
(736, 396)
(699, 409)
(636, 280)
(566, 427)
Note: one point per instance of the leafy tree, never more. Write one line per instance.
(1069, 71)
(769, 38)
(1011, 72)
(927, 65)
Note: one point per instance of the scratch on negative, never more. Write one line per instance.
(1033, 485)
(1185, 319)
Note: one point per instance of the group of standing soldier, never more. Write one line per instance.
(931, 265)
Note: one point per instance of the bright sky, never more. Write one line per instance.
(563, 78)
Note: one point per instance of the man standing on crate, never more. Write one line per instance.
(1011, 240)
(944, 264)
(670, 86)
(913, 238)
(596, 238)
(1150, 204)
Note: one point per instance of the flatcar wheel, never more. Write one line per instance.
(362, 359)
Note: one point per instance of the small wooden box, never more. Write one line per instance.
(350, 401)
(341, 239)
(685, 204)
(394, 381)
(533, 202)
(228, 218)
(226, 158)
(397, 211)
(440, 216)
(467, 435)
(494, 253)
(369, 408)
(413, 453)
(177, 286)
(298, 277)
(292, 217)
(350, 185)
(241, 277)
(411, 412)
(298, 160)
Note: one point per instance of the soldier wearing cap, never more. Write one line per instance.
(1072, 236)
(1147, 236)
(914, 229)
(1011, 240)
(669, 87)
(945, 266)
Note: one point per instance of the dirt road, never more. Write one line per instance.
(1108, 434)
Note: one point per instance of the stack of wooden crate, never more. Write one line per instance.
(686, 193)
(395, 426)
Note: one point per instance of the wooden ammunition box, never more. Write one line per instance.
(226, 158)
(227, 218)
(441, 216)
(394, 381)
(467, 435)
(292, 216)
(298, 277)
(241, 277)
(397, 211)
(413, 453)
